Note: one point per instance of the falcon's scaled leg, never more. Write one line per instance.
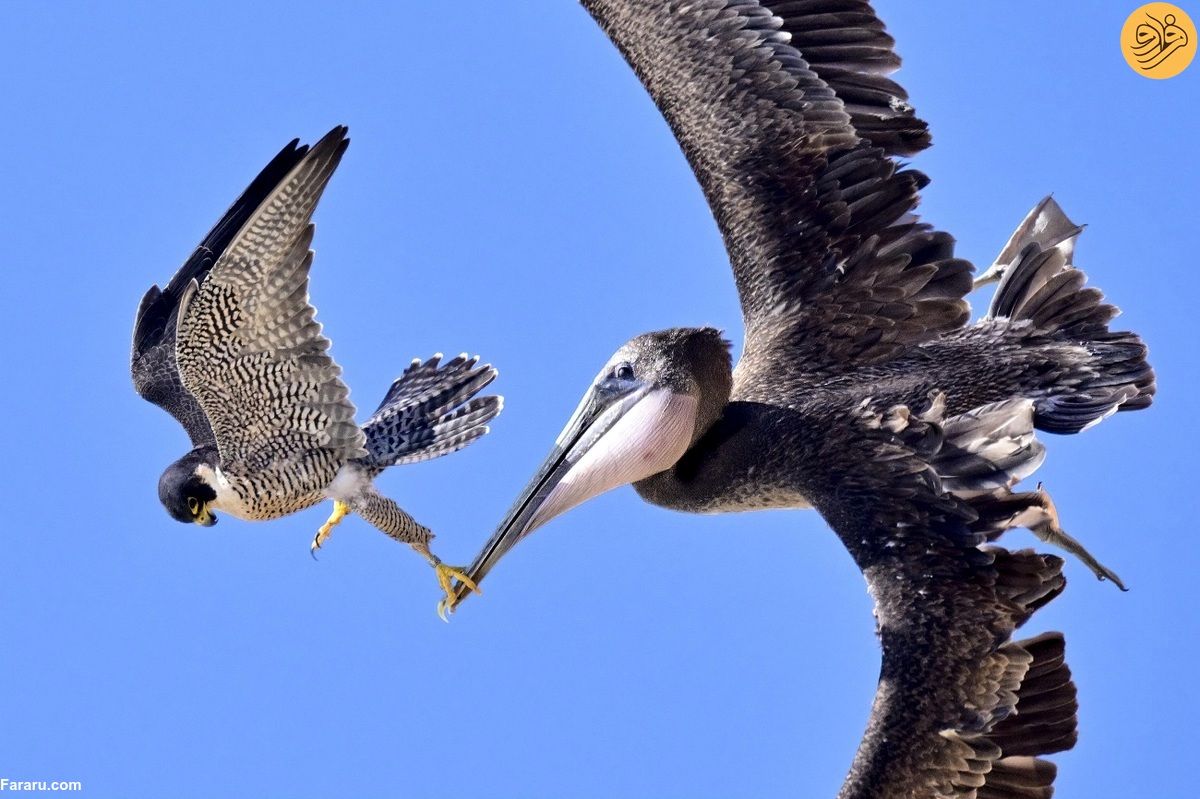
(340, 511)
(390, 518)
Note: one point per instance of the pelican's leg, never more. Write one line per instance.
(1042, 519)
(340, 510)
(993, 274)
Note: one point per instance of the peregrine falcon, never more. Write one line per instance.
(230, 348)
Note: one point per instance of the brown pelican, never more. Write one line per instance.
(861, 390)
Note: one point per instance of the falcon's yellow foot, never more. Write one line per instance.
(340, 511)
(445, 576)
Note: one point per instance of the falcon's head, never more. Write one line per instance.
(185, 493)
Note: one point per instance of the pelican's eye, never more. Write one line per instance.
(622, 371)
(194, 506)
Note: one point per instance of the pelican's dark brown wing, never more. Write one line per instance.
(832, 269)
(962, 710)
(152, 361)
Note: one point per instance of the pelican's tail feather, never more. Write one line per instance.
(1102, 371)
(431, 410)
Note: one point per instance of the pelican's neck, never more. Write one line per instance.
(746, 459)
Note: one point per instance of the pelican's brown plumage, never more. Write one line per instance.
(861, 390)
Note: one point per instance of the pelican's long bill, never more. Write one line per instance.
(622, 431)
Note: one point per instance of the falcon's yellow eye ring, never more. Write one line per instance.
(194, 506)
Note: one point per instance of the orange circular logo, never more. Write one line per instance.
(1158, 40)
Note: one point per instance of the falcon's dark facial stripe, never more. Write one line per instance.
(184, 494)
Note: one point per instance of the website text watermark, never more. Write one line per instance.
(15, 786)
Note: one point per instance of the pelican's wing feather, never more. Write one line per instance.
(786, 114)
(962, 709)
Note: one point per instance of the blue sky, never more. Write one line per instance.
(510, 190)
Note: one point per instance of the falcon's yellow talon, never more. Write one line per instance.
(340, 511)
(446, 575)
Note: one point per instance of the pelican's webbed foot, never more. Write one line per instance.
(340, 510)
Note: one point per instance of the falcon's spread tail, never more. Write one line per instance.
(1041, 286)
(431, 410)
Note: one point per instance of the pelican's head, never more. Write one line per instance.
(649, 403)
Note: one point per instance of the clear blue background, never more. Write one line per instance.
(510, 190)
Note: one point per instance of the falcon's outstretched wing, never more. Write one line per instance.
(789, 121)
(152, 361)
(251, 353)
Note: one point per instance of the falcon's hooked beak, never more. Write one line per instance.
(623, 431)
(205, 518)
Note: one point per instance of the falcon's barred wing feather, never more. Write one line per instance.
(152, 361)
(961, 710)
(249, 348)
(830, 264)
